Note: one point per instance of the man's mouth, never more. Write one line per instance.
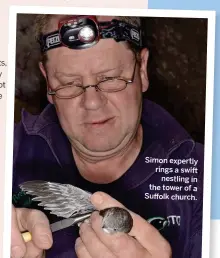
(100, 122)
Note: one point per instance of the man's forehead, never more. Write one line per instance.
(105, 55)
(105, 49)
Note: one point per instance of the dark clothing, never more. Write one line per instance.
(43, 152)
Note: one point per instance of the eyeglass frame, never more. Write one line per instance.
(53, 92)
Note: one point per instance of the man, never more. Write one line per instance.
(98, 134)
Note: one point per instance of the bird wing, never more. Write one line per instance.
(63, 200)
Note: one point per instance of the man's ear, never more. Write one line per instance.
(44, 73)
(143, 69)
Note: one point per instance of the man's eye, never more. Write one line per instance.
(103, 78)
(115, 73)
(72, 83)
(69, 83)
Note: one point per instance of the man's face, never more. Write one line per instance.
(95, 121)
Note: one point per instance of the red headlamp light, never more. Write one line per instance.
(79, 32)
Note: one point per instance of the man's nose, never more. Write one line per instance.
(93, 98)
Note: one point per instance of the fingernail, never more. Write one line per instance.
(46, 239)
(17, 252)
(97, 198)
(78, 242)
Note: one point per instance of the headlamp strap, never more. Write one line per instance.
(121, 31)
(118, 30)
(50, 41)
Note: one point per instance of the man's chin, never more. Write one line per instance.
(101, 148)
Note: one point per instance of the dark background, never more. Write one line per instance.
(176, 69)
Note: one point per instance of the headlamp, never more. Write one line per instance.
(79, 32)
(86, 34)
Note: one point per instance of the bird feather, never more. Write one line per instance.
(63, 200)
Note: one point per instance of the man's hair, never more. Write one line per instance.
(42, 21)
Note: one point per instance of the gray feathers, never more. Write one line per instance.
(67, 201)
(116, 219)
(63, 200)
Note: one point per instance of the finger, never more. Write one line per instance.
(121, 244)
(149, 237)
(102, 200)
(38, 225)
(18, 247)
(92, 243)
(80, 249)
(32, 251)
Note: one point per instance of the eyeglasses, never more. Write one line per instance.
(109, 84)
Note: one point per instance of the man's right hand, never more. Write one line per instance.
(37, 224)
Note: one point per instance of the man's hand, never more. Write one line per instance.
(143, 241)
(37, 224)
